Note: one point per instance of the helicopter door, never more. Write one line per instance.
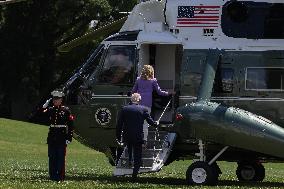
(114, 80)
(166, 60)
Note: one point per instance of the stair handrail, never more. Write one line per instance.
(157, 128)
(164, 111)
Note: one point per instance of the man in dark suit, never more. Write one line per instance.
(130, 126)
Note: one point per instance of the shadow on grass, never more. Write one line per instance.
(81, 177)
(170, 181)
(250, 184)
(112, 179)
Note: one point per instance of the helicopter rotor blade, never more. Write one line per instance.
(102, 31)
(5, 2)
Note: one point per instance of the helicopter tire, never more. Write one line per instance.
(260, 172)
(200, 173)
(216, 168)
(250, 171)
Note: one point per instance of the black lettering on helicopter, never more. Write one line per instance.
(208, 32)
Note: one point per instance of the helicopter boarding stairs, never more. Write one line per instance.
(154, 156)
(156, 153)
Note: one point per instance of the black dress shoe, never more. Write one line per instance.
(134, 176)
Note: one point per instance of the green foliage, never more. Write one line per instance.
(23, 165)
(30, 32)
(121, 6)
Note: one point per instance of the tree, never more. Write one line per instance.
(121, 6)
(30, 32)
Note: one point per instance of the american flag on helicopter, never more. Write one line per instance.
(198, 16)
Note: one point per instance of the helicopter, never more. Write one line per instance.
(224, 60)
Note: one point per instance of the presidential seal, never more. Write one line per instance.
(103, 116)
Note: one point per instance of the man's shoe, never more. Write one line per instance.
(134, 177)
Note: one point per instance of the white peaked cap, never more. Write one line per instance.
(57, 94)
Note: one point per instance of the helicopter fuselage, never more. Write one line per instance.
(176, 38)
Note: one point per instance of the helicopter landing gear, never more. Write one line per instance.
(250, 171)
(202, 172)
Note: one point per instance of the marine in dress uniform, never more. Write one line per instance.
(59, 135)
(130, 126)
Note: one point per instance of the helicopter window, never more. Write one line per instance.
(118, 65)
(265, 79)
(92, 62)
(253, 20)
(237, 11)
(124, 36)
(224, 80)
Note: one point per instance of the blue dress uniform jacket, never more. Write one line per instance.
(130, 124)
(61, 125)
(60, 130)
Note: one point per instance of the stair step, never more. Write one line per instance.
(153, 133)
(154, 144)
(153, 139)
(146, 153)
(146, 162)
(128, 171)
(153, 157)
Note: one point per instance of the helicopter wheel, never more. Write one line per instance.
(216, 168)
(200, 173)
(260, 172)
(250, 171)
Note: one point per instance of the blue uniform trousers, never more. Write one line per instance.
(56, 155)
(137, 156)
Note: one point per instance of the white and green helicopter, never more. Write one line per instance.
(225, 61)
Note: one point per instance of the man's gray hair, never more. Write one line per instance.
(135, 98)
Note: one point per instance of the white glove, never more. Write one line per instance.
(46, 103)
(119, 143)
(68, 142)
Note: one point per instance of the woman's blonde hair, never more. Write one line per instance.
(147, 72)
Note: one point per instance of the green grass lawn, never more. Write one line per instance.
(23, 164)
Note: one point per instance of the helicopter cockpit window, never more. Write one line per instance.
(253, 20)
(118, 66)
(224, 80)
(270, 79)
(92, 62)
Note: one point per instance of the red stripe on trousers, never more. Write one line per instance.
(62, 175)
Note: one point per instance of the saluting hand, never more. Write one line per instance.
(68, 142)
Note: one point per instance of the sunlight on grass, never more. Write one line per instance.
(23, 164)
